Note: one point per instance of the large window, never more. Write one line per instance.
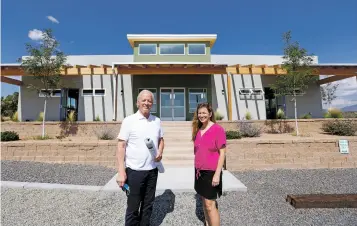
(154, 105)
(196, 49)
(196, 96)
(147, 49)
(172, 49)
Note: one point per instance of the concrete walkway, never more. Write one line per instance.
(174, 179)
(182, 180)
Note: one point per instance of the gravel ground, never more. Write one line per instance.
(23, 171)
(263, 204)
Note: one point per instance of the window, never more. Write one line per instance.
(55, 93)
(244, 91)
(87, 92)
(172, 49)
(196, 49)
(147, 49)
(99, 92)
(196, 96)
(154, 105)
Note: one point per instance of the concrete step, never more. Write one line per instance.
(177, 156)
(170, 163)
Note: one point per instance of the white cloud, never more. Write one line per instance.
(35, 34)
(54, 20)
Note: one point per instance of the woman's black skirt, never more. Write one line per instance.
(203, 184)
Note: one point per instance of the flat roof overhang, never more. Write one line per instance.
(132, 38)
(338, 71)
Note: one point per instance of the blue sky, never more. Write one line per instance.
(326, 28)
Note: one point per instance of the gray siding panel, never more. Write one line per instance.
(88, 105)
(98, 101)
(108, 98)
(128, 94)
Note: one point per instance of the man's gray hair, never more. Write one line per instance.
(145, 91)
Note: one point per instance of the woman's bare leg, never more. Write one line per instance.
(212, 212)
(205, 212)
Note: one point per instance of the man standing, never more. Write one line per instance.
(139, 170)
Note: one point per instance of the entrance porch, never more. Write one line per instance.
(176, 96)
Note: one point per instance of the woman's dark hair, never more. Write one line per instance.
(196, 123)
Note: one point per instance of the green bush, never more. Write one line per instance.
(218, 115)
(280, 114)
(248, 116)
(248, 129)
(230, 135)
(9, 136)
(340, 127)
(333, 113)
(306, 116)
(349, 114)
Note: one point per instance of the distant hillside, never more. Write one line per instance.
(350, 108)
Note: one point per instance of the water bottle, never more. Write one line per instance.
(126, 189)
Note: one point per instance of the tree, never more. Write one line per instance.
(328, 93)
(44, 63)
(299, 73)
(9, 104)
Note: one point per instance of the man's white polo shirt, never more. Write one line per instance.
(134, 129)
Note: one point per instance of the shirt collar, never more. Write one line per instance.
(141, 116)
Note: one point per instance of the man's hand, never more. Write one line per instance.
(121, 178)
(158, 156)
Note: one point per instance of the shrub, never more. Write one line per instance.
(248, 129)
(248, 116)
(40, 117)
(9, 136)
(349, 114)
(71, 117)
(340, 127)
(232, 134)
(218, 115)
(333, 113)
(15, 117)
(105, 134)
(97, 119)
(280, 114)
(306, 116)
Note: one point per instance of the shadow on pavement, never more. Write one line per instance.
(163, 205)
(199, 209)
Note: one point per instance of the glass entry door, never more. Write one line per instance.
(172, 102)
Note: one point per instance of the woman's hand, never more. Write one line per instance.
(215, 181)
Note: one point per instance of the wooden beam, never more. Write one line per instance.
(333, 79)
(11, 81)
(166, 71)
(323, 200)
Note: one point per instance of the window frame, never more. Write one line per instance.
(99, 95)
(171, 54)
(42, 96)
(189, 101)
(89, 95)
(201, 44)
(147, 44)
(155, 99)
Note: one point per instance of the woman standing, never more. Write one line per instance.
(209, 148)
